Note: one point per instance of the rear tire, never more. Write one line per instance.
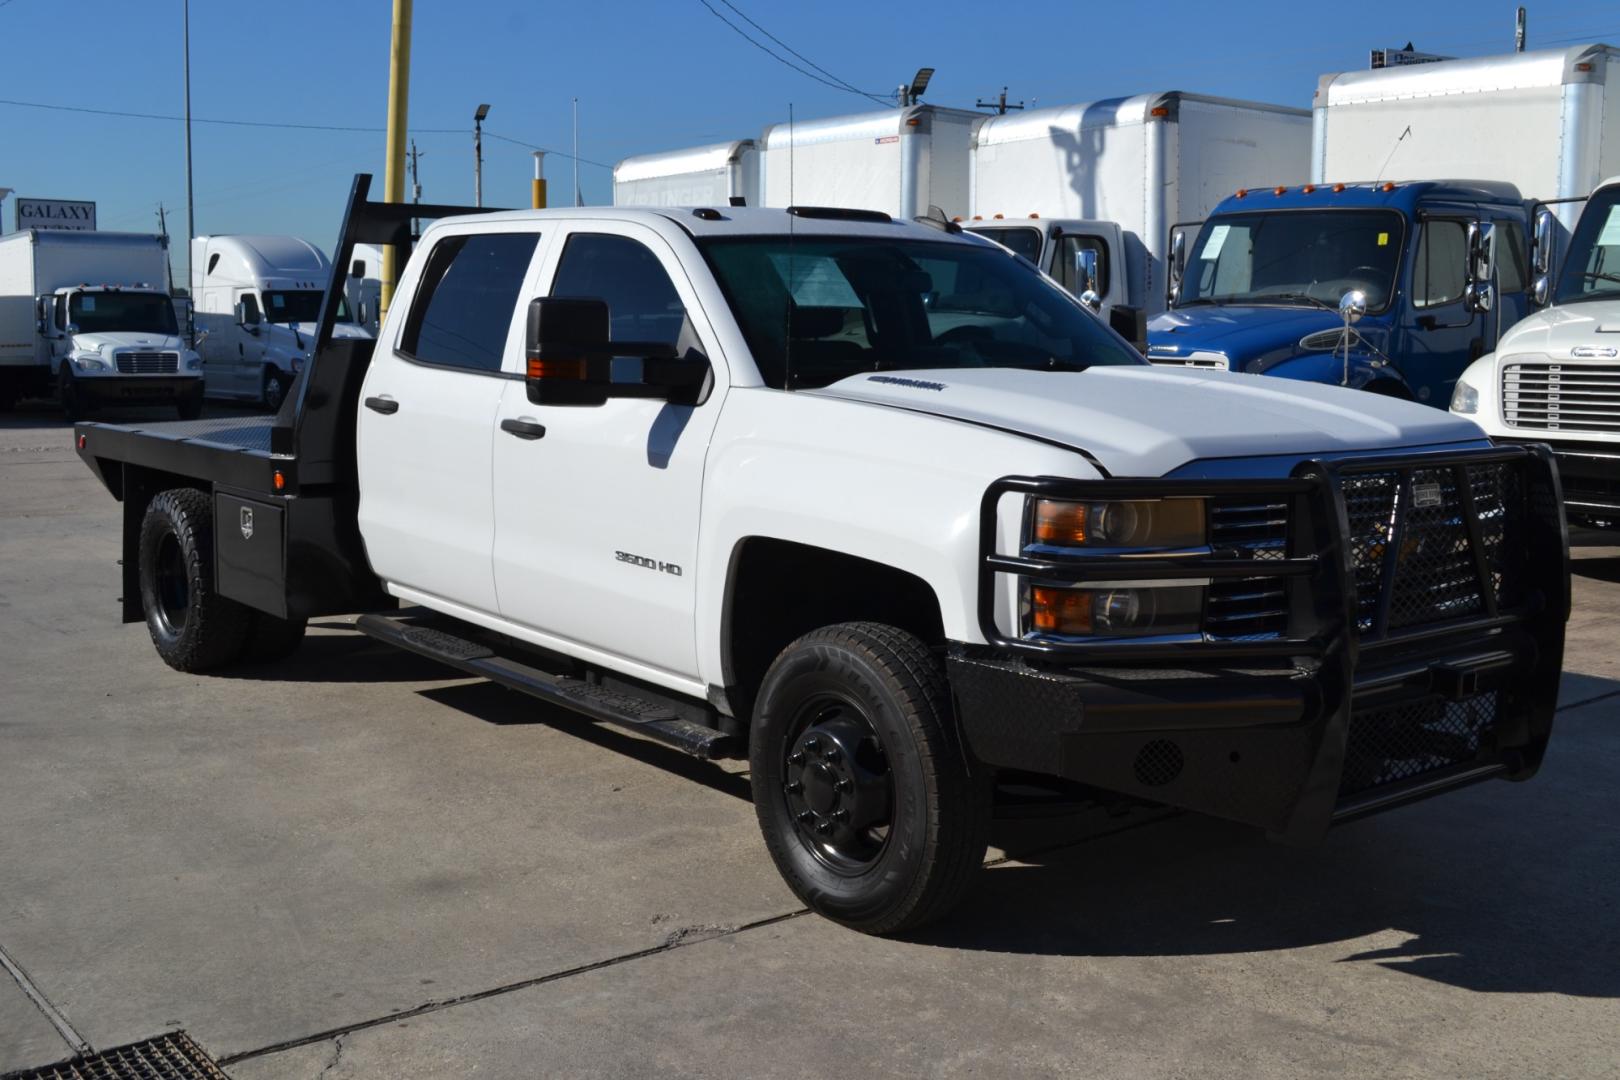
(865, 796)
(271, 638)
(193, 627)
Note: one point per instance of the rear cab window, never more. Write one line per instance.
(466, 300)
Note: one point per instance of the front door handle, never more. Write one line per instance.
(524, 429)
(385, 405)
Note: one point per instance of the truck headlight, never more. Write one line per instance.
(89, 363)
(1464, 399)
(194, 363)
(1103, 610)
(1155, 524)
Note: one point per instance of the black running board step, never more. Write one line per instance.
(642, 715)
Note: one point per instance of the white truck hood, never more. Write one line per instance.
(1592, 324)
(1147, 421)
(122, 339)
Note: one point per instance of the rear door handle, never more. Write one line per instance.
(385, 405)
(524, 429)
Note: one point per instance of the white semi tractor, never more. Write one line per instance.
(258, 299)
(1090, 192)
(720, 174)
(88, 316)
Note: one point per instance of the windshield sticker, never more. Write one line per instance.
(87, 302)
(1383, 239)
(277, 300)
(1216, 241)
(1610, 236)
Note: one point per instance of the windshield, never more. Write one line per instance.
(1294, 257)
(132, 312)
(1022, 240)
(1592, 269)
(292, 305)
(832, 307)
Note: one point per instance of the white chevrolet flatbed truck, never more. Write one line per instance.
(881, 507)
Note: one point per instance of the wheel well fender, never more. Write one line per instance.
(778, 590)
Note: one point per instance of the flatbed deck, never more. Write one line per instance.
(230, 450)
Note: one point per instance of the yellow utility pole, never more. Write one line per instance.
(537, 194)
(399, 87)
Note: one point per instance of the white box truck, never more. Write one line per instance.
(89, 316)
(1547, 122)
(898, 161)
(1089, 192)
(257, 301)
(710, 175)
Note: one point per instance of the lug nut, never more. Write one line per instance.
(794, 788)
(795, 758)
(824, 828)
(840, 815)
(832, 753)
(805, 817)
(812, 743)
(844, 785)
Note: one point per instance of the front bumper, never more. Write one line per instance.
(1588, 471)
(1348, 710)
(116, 389)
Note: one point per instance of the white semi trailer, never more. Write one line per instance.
(1089, 192)
(898, 161)
(1547, 122)
(714, 175)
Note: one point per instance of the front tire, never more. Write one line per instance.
(193, 627)
(190, 406)
(274, 390)
(68, 392)
(866, 798)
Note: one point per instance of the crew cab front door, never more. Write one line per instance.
(596, 520)
(427, 416)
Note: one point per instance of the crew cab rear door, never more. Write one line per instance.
(596, 519)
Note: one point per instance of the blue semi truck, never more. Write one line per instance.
(1393, 288)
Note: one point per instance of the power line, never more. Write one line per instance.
(272, 123)
(784, 60)
(852, 88)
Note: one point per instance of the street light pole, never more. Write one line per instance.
(191, 214)
(478, 154)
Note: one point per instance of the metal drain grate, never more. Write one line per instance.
(167, 1057)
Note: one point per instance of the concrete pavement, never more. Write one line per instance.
(367, 867)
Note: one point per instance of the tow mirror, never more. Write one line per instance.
(1178, 264)
(572, 359)
(357, 269)
(1546, 240)
(247, 317)
(1481, 266)
(42, 316)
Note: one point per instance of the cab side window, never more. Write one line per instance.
(250, 308)
(1440, 270)
(642, 302)
(1511, 265)
(465, 301)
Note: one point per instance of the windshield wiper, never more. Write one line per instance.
(1597, 276)
(1292, 296)
(1195, 301)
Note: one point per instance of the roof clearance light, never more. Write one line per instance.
(1242, 193)
(999, 217)
(1337, 188)
(1388, 186)
(1034, 217)
(1308, 188)
(1279, 189)
(1159, 110)
(1583, 66)
(978, 217)
(958, 217)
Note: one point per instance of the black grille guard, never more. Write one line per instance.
(1323, 612)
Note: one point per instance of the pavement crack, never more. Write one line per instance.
(337, 1053)
(678, 939)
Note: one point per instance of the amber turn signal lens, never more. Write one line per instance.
(1060, 611)
(279, 481)
(1060, 522)
(557, 369)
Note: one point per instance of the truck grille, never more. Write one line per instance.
(1248, 608)
(1400, 742)
(148, 363)
(1414, 553)
(1561, 397)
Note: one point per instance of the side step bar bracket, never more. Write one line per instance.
(645, 716)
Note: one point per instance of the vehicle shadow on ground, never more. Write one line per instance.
(1496, 889)
(496, 705)
(343, 658)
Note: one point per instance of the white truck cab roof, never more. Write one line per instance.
(706, 221)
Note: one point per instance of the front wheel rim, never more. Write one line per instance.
(837, 785)
(272, 392)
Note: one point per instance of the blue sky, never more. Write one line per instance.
(649, 75)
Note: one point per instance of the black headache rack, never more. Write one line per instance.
(286, 538)
(1377, 630)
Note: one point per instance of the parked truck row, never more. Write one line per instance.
(880, 507)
